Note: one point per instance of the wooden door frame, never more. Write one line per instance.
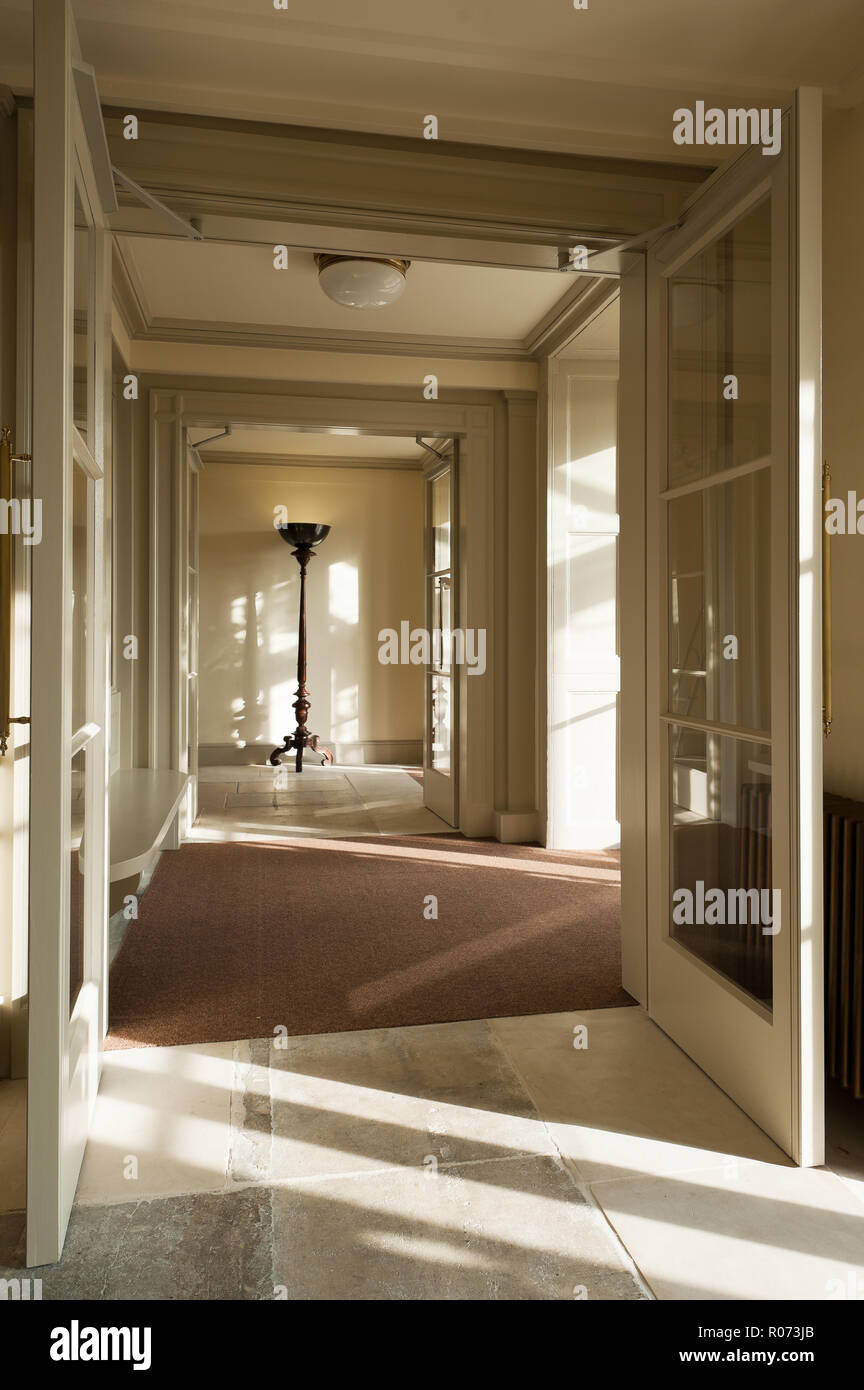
(631, 617)
(370, 411)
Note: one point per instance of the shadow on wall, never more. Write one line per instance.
(368, 574)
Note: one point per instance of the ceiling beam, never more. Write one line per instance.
(218, 169)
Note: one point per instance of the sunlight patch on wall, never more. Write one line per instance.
(345, 707)
(344, 583)
(282, 716)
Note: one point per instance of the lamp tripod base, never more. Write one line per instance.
(300, 740)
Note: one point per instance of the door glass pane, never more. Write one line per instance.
(720, 603)
(719, 346)
(723, 907)
(441, 722)
(80, 535)
(442, 619)
(82, 325)
(76, 878)
(441, 521)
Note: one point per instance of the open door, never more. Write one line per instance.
(188, 742)
(733, 633)
(69, 703)
(582, 578)
(441, 675)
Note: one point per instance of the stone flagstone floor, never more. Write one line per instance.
(483, 1160)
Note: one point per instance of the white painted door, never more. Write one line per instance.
(189, 467)
(69, 702)
(584, 667)
(733, 634)
(441, 675)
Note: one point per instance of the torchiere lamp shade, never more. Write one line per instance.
(303, 533)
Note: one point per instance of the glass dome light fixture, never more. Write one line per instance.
(362, 282)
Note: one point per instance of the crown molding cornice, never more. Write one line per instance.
(233, 456)
(162, 330)
(587, 299)
(129, 293)
(547, 336)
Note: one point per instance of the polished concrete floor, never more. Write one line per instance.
(258, 802)
(480, 1160)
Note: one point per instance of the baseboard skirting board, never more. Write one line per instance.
(476, 822)
(13, 1040)
(402, 752)
(517, 827)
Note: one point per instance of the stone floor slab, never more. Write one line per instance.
(627, 1101)
(746, 1230)
(201, 1247)
(509, 1230)
(387, 1098)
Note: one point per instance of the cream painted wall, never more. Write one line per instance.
(367, 575)
(843, 434)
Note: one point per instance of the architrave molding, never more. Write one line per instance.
(479, 419)
(211, 456)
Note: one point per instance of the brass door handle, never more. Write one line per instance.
(7, 458)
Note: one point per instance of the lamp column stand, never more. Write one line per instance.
(301, 738)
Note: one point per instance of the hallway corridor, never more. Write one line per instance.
(323, 934)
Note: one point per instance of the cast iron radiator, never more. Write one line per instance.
(844, 942)
(754, 871)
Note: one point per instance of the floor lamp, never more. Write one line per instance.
(303, 536)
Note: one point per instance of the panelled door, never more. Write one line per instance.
(69, 702)
(441, 694)
(734, 677)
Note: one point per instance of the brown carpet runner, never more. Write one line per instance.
(237, 940)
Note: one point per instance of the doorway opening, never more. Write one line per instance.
(434, 920)
(364, 601)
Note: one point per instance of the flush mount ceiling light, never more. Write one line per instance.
(362, 282)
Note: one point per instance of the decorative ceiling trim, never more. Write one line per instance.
(592, 354)
(552, 329)
(327, 340)
(588, 298)
(233, 456)
(128, 292)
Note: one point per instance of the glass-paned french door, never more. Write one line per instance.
(733, 678)
(69, 700)
(441, 692)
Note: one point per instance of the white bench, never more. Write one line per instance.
(143, 804)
